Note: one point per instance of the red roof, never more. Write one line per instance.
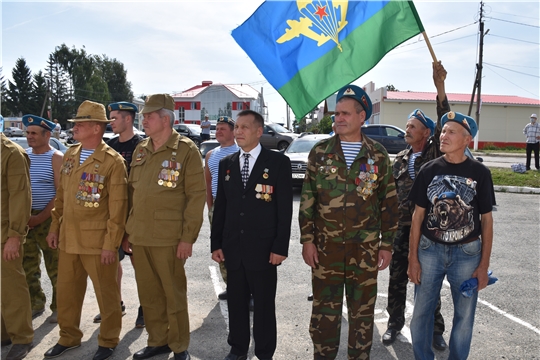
(456, 98)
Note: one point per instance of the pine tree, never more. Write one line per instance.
(19, 92)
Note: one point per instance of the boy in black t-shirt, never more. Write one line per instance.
(122, 115)
(451, 235)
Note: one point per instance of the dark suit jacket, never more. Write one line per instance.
(246, 228)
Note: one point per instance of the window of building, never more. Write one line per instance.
(193, 106)
(181, 114)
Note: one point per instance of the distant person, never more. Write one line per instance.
(451, 236)
(227, 146)
(45, 164)
(88, 224)
(423, 147)
(532, 132)
(57, 129)
(122, 116)
(205, 128)
(250, 231)
(16, 310)
(166, 194)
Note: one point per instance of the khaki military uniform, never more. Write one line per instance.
(167, 194)
(89, 215)
(349, 214)
(16, 205)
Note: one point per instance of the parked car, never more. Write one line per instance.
(276, 136)
(109, 134)
(390, 136)
(298, 152)
(192, 131)
(207, 146)
(213, 131)
(13, 131)
(55, 143)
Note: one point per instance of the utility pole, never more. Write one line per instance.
(478, 80)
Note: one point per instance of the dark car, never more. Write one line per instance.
(191, 131)
(276, 136)
(390, 136)
(298, 152)
(207, 146)
(55, 143)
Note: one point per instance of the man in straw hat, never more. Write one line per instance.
(451, 236)
(88, 225)
(167, 192)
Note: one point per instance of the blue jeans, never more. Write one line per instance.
(457, 262)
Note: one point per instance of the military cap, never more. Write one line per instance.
(534, 116)
(358, 94)
(226, 120)
(90, 111)
(466, 121)
(31, 120)
(157, 102)
(123, 105)
(420, 116)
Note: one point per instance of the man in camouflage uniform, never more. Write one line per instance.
(423, 148)
(348, 219)
(45, 163)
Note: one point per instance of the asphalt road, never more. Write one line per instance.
(507, 322)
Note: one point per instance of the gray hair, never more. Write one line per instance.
(166, 112)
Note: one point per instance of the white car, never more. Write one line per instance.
(13, 131)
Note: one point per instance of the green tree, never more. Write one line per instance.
(39, 94)
(19, 92)
(391, 87)
(115, 75)
(3, 93)
(325, 125)
(62, 103)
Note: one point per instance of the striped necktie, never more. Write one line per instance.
(245, 169)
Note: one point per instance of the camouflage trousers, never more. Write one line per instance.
(353, 267)
(36, 243)
(397, 287)
(222, 267)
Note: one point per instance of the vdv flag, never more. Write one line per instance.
(307, 50)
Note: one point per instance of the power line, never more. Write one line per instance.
(525, 66)
(516, 85)
(442, 42)
(518, 72)
(527, 17)
(514, 22)
(434, 36)
(504, 37)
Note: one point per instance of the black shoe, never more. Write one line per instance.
(58, 350)
(310, 297)
(139, 323)
(222, 295)
(251, 304)
(103, 353)
(389, 336)
(184, 355)
(6, 342)
(37, 313)
(18, 351)
(439, 343)
(150, 351)
(97, 318)
(235, 357)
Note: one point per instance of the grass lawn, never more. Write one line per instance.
(507, 177)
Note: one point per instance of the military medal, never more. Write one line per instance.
(227, 177)
(168, 175)
(366, 180)
(265, 175)
(333, 169)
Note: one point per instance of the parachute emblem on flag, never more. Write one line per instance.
(326, 19)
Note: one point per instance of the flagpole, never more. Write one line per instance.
(429, 47)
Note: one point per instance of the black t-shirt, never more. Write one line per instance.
(125, 149)
(454, 196)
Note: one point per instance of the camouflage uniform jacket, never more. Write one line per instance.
(400, 168)
(337, 206)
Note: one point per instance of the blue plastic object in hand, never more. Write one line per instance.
(471, 285)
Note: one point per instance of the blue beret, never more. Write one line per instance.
(225, 119)
(31, 120)
(122, 105)
(448, 195)
(466, 121)
(358, 94)
(420, 116)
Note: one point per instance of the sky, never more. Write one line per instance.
(168, 47)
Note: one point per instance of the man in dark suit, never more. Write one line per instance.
(251, 229)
